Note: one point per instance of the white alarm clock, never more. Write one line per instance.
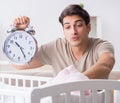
(20, 46)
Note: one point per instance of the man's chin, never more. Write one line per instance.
(75, 44)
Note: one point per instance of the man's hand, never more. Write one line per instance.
(21, 22)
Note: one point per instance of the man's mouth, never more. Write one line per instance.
(75, 38)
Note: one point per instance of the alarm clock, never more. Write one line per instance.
(20, 46)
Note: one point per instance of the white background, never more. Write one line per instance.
(44, 17)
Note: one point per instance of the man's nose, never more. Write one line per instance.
(73, 31)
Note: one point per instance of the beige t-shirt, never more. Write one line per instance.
(58, 54)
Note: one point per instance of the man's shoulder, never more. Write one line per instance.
(98, 41)
(101, 45)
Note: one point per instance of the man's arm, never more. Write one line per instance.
(102, 68)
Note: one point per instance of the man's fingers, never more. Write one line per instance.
(21, 21)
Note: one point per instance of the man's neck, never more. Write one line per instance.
(78, 51)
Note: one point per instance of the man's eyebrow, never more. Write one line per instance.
(66, 23)
(79, 20)
(75, 21)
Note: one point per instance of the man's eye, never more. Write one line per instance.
(67, 27)
(79, 25)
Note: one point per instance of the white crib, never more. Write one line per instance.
(16, 88)
(100, 89)
(30, 89)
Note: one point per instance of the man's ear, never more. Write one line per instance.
(89, 27)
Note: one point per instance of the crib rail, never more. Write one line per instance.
(23, 80)
(95, 86)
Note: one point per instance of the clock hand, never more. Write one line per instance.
(18, 45)
(20, 49)
(22, 52)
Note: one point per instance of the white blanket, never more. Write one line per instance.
(69, 74)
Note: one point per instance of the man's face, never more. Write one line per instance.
(75, 30)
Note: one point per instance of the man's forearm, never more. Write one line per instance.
(101, 72)
(102, 68)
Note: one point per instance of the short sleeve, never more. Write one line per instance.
(105, 46)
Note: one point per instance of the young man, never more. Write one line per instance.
(91, 56)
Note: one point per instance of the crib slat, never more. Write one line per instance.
(9, 81)
(55, 99)
(2, 99)
(82, 96)
(39, 83)
(31, 83)
(94, 96)
(16, 82)
(24, 83)
(68, 97)
(13, 99)
(2, 80)
(108, 96)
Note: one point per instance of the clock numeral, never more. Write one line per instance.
(11, 41)
(18, 58)
(20, 36)
(8, 46)
(29, 42)
(15, 37)
(31, 48)
(29, 53)
(26, 38)
(9, 51)
(13, 55)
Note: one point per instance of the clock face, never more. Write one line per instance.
(20, 47)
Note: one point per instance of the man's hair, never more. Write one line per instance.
(75, 10)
